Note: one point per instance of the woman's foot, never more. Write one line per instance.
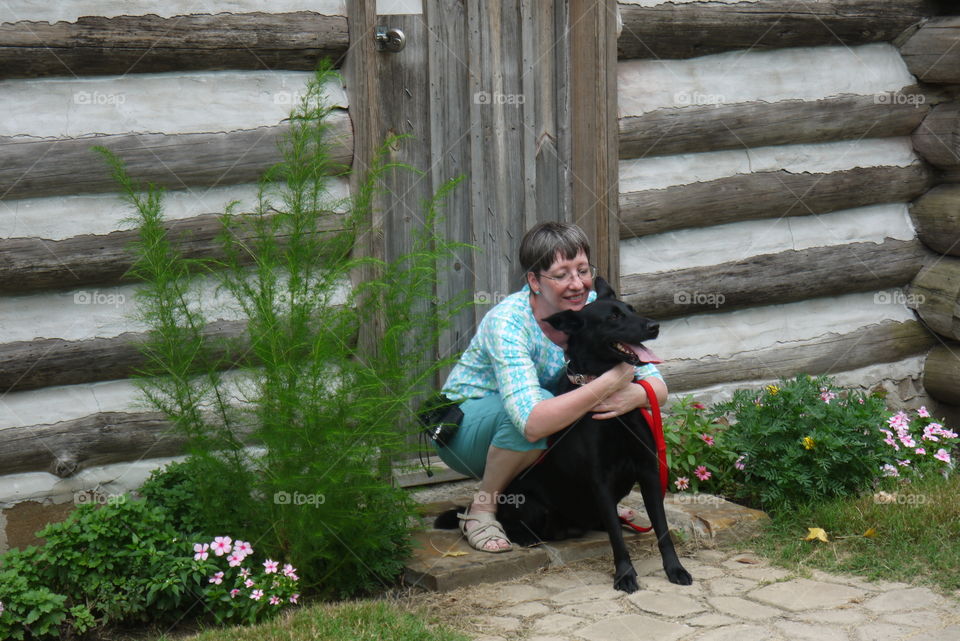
(483, 532)
(625, 512)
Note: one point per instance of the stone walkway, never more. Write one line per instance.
(735, 597)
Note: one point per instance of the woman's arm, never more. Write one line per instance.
(553, 414)
(629, 398)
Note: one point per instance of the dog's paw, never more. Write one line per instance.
(627, 582)
(679, 575)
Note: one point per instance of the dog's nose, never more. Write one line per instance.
(654, 327)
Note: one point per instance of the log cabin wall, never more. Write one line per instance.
(769, 157)
(192, 95)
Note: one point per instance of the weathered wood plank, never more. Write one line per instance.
(770, 279)
(936, 216)
(932, 53)
(767, 195)
(54, 361)
(760, 124)
(68, 447)
(95, 45)
(689, 29)
(30, 168)
(30, 264)
(937, 138)
(593, 96)
(941, 373)
(885, 342)
(935, 295)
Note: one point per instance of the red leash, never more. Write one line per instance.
(655, 421)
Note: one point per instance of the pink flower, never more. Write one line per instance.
(682, 483)
(922, 412)
(269, 566)
(217, 578)
(899, 421)
(256, 595)
(294, 597)
(274, 600)
(904, 463)
(244, 572)
(234, 560)
(243, 548)
(201, 551)
(921, 451)
(889, 470)
(698, 406)
(706, 438)
(826, 395)
(290, 571)
(942, 455)
(907, 440)
(221, 545)
(702, 473)
(739, 464)
(889, 440)
(1, 607)
(234, 592)
(248, 583)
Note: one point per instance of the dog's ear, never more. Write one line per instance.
(603, 289)
(567, 321)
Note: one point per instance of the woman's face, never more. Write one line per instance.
(566, 283)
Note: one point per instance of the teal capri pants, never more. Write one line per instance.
(485, 423)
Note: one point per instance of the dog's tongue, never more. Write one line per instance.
(645, 355)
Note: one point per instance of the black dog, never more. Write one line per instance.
(592, 464)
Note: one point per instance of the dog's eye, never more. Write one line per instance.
(616, 314)
(631, 308)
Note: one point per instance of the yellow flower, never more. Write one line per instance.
(808, 443)
(773, 389)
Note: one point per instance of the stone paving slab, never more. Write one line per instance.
(443, 561)
(577, 603)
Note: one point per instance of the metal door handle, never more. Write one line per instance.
(390, 39)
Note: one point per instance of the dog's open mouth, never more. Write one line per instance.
(636, 354)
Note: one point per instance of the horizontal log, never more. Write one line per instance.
(69, 166)
(760, 124)
(935, 295)
(937, 139)
(53, 361)
(68, 447)
(941, 373)
(932, 53)
(30, 264)
(775, 278)
(936, 217)
(673, 30)
(769, 194)
(885, 342)
(95, 45)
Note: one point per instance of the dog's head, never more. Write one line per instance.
(605, 332)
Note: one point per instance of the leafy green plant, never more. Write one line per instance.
(804, 440)
(115, 563)
(697, 454)
(325, 412)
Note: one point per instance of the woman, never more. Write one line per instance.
(505, 379)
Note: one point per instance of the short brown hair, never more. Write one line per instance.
(541, 244)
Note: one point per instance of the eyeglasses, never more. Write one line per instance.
(566, 278)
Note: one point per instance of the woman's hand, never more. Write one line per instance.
(628, 398)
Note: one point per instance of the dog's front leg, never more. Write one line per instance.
(624, 574)
(653, 501)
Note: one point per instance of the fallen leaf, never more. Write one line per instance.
(455, 553)
(816, 534)
(870, 533)
(748, 560)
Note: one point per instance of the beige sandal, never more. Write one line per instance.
(489, 528)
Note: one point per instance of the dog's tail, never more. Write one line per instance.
(448, 520)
